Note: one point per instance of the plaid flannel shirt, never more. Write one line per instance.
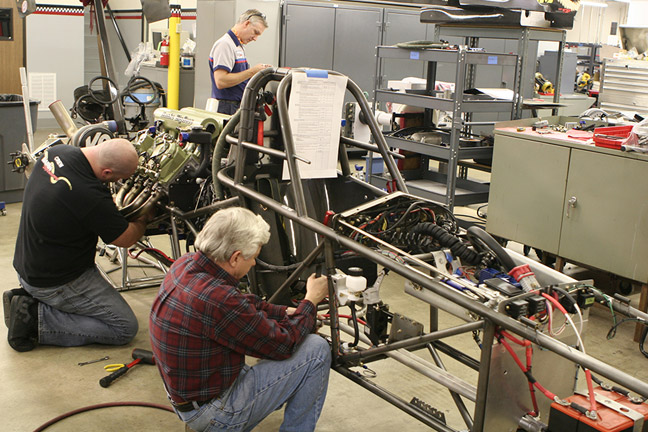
(202, 327)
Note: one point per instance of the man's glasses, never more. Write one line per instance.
(258, 14)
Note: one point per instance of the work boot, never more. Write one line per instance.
(6, 301)
(23, 323)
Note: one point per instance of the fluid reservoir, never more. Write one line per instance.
(355, 283)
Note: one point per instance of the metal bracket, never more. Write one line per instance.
(439, 415)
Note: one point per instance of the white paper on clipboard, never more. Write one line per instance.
(315, 111)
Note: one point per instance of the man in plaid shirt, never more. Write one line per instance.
(202, 327)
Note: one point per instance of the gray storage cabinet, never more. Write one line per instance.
(13, 134)
(403, 26)
(344, 36)
(624, 86)
(582, 203)
(308, 35)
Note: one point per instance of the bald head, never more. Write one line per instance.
(113, 159)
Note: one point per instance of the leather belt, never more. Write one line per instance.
(188, 406)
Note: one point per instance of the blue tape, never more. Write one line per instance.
(492, 60)
(316, 73)
(414, 55)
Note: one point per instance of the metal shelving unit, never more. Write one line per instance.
(527, 38)
(444, 187)
(590, 59)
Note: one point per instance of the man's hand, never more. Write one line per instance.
(316, 289)
(259, 67)
(224, 79)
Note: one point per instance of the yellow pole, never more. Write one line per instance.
(173, 83)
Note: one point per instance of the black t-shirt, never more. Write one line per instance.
(65, 209)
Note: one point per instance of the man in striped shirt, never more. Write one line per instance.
(202, 327)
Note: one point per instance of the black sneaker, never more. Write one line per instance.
(23, 324)
(6, 301)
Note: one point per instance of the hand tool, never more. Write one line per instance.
(140, 356)
(113, 367)
(93, 361)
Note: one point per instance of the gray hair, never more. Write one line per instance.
(230, 230)
(254, 15)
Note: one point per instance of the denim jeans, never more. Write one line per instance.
(299, 382)
(228, 107)
(85, 311)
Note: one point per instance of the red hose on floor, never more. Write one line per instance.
(99, 406)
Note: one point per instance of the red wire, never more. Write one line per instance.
(514, 339)
(135, 256)
(523, 368)
(347, 317)
(544, 391)
(515, 356)
(529, 359)
(590, 389)
(534, 401)
(588, 374)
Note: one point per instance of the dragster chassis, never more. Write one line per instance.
(431, 284)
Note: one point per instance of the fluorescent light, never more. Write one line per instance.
(593, 4)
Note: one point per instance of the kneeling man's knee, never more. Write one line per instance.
(319, 347)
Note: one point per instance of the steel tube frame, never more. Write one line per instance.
(421, 366)
(456, 397)
(491, 319)
(446, 292)
(298, 271)
(393, 399)
(415, 342)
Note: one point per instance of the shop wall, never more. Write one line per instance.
(54, 48)
(637, 10)
(593, 24)
(62, 52)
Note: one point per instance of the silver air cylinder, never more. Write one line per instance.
(63, 118)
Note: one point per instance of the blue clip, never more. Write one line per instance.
(316, 73)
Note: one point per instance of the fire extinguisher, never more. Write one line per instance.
(164, 52)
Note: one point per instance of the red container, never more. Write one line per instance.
(612, 137)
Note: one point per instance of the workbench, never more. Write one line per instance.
(582, 203)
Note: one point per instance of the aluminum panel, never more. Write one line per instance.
(506, 378)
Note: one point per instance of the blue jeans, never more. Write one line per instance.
(85, 311)
(228, 107)
(299, 382)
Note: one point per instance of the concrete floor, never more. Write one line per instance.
(42, 384)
